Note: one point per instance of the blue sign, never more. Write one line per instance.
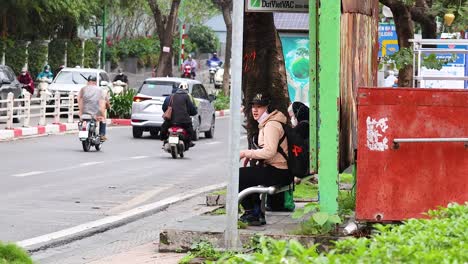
(460, 57)
(388, 39)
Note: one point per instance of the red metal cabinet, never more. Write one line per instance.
(404, 180)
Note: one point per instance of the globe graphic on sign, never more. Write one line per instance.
(300, 68)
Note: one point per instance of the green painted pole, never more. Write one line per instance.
(103, 50)
(329, 90)
(313, 85)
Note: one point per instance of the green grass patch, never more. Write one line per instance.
(220, 192)
(306, 191)
(346, 178)
(219, 211)
(12, 254)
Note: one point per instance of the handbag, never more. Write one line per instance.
(168, 114)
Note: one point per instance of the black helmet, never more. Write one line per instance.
(260, 99)
(92, 78)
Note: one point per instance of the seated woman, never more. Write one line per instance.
(274, 168)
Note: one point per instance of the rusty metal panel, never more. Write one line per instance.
(404, 180)
(358, 38)
(364, 7)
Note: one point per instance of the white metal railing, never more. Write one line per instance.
(22, 109)
(418, 51)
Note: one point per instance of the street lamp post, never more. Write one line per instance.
(103, 43)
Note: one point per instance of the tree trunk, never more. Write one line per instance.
(421, 13)
(405, 31)
(227, 58)
(165, 30)
(263, 66)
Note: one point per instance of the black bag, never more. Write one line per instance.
(298, 152)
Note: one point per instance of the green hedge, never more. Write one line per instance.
(145, 49)
(15, 56)
(441, 239)
(37, 57)
(56, 53)
(91, 53)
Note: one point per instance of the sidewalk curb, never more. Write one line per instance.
(60, 128)
(101, 225)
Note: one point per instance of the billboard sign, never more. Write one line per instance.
(277, 6)
(388, 39)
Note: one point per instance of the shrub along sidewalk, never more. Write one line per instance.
(12, 254)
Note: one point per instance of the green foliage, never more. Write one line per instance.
(204, 38)
(74, 53)
(441, 239)
(146, 49)
(346, 202)
(91, 54)
(37, 57)
(273, 251)
(205, 250)
(12, 254)
(221, 102)
(121, 104)
(56, 53)
(319, 224)
(346, 178)
(404, 57)
(15, 55)
(458, 7)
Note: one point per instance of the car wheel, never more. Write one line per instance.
(210, 133)
(196, 132)
(137, 132)
(154, 133)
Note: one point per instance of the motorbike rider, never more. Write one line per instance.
(92, 101)
(26, 79)
(193, 63)
(121, 77)
(215, 59)
(45, 78)
(182, 108)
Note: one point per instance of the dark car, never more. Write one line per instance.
(8, 83)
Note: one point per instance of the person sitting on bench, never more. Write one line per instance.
(273, 168)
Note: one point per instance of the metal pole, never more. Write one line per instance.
(231, 237)
(4, 52)
(313, 149)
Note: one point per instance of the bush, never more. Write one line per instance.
(441, 239)
(146, 49)
(74, 53)
(12, 254)
(221, 102)
(121, 104)
(56, 54)
(204, 38)
(91, 53)
(15, 55)
(37, 51)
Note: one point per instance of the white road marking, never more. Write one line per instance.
(90, 163)
(139, 157)
(28, 174)
(137, 200)
(120, 218)
(214, 142)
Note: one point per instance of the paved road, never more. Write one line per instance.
(49, 183)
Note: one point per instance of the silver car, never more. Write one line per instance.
(147, 106)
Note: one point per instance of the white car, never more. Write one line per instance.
(71, 80)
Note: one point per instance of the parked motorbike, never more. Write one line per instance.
(87, 134)
(119, 87)
(43, 85)
(214, 67)
(177, 143)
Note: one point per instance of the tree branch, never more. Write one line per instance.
(158, 17)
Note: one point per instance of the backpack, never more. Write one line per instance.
(298, 152)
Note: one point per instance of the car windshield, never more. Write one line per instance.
(157, 89)
(73, 77)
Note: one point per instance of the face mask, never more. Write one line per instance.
(121, 73)
(46, 70)
(23, 73)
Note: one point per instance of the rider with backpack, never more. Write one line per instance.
(273, 166)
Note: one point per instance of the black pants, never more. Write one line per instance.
(167, 124)
(266, 176)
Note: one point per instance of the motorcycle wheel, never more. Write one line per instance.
(86, 145)
(174, 152)
(98, 146)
